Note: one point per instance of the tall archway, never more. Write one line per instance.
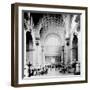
(29, 47)
(52, 47)
(29, 41)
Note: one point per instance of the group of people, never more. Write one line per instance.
(73, 68)
(37, 71)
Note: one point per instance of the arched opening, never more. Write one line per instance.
(75, 48)
(29, 41)
(52, 44)
(52, 50)
(29, 48)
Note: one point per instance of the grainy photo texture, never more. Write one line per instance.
(51, 44)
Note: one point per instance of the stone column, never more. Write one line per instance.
(79, 46)
(71, 58)
(25, 48)
(37, 53)
(67, 51)
(34, 47)
(43, 56)
(67, 38)
(63, 58)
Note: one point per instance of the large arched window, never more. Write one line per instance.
(52, 49)
(52, 41)
(52, 44)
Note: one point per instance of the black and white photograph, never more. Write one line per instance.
(50, 44)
